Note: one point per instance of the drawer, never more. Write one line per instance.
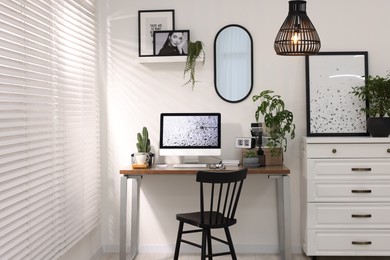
(356, 169)
(348, 215)
(355, 150)
(348, 191)
(359, 242)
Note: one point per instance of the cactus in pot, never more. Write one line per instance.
(143, 145)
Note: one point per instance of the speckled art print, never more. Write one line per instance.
(331, 109)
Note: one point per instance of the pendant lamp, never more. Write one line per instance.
(297, 36)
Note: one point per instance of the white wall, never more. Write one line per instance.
(135, 94)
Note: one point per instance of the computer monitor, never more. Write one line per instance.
(190, 134)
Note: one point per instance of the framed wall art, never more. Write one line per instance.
(331, 109)
(150, 21)
(171, 43)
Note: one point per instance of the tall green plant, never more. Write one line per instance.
(376, 91)
(277, 119)
(143, 144)
(195, 50)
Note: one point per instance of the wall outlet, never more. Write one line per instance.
(243, 142)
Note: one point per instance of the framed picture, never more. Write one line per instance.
(331, 109)
(171, 43)
(150, 21)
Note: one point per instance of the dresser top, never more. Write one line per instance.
(346, 139)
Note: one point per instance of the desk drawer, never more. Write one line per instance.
(351, 150)
(348, 215)
(356, 169)
(348, 191)
(359, 242)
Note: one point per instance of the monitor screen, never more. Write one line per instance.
(190, 134)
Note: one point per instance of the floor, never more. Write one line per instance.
(242, 257)
(197, 257)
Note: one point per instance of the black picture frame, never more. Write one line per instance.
(331, 110)
(160, 38)
(150, 21)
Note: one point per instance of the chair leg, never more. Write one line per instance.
(204, 238)
(230, 242)
(178, 240)
(210, 250)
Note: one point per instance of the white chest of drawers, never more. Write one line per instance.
(345, 185)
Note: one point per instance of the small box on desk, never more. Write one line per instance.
(248, 155)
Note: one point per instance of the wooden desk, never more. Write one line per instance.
(280, 173)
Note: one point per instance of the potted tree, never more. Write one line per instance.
(376, 91)
(195, 51)
(278, 121)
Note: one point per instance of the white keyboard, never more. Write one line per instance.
(189, 165)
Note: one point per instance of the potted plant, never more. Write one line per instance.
(195, 51)
(253, 157)
(250, 157)
(376, 91)
(143, 147)
(278, 120)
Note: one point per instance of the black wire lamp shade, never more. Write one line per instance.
(297, 36)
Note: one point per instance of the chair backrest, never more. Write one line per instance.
(221, 190)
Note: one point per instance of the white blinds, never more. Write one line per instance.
(49, 126)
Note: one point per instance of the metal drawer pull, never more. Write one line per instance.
(361, 191)
(361, 215)
(361, 242)
(361, 169)
(334, 151)
(388, 150)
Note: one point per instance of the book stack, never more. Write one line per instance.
(231, 162)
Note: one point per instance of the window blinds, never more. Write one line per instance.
(49, 126)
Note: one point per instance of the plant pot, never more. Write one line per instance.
(250, 161)
(273, 160)
(378, 126)
(149, 159)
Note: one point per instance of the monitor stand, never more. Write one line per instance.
(191, 159)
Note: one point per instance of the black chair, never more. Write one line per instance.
(221, 189)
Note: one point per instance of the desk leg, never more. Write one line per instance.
(284, 216)
(134, 228)
(123, 219)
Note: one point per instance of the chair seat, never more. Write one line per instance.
(217, 219)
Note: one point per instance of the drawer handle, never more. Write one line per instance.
(361, 191)
(334, 151)
(388, 150)
(361, 215)
(361, 169)
(361, 243)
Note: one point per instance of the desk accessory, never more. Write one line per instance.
(218, 166)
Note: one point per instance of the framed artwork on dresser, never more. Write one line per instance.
(331, 109)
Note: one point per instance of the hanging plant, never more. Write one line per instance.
(195, 51)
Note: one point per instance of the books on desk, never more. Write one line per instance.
(231, 162)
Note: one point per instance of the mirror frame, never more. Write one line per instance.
(215, 63)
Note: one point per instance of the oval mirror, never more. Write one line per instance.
(233, 63)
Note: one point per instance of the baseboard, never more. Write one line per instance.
(98, 254)
(240, 249)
